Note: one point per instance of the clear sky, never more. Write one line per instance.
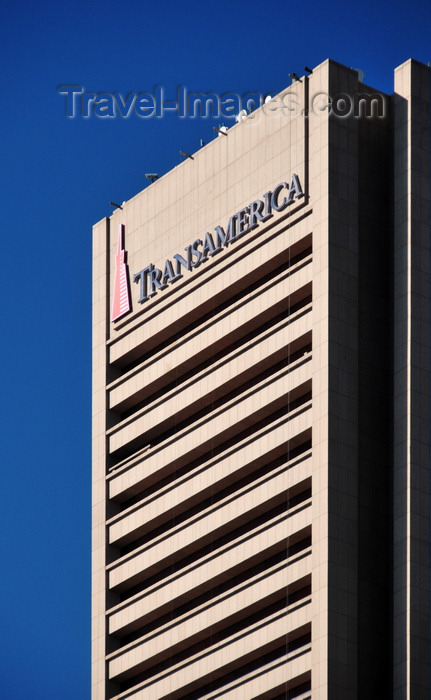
(59, 175)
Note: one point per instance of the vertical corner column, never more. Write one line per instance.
(411, 113)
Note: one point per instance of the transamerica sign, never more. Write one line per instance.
(152, 279)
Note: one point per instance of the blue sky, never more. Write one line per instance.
(59, 175)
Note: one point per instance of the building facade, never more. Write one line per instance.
(261, 422)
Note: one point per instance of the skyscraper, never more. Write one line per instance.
(261, 465)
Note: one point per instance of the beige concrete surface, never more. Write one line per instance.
(261, 426)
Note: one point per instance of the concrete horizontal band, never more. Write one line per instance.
(174, 501)
(138, 566)
(226, 655)
(270, 680)
(295, 574)
(209, 619)
(179, 311)
(229, 374)
(211, 337)
(147, 469)
(265, 397)
(213, 569)
(191, 536)
(294, 667)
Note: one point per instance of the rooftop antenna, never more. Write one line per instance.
(117, 206)
(152, 177)
(222, 130)
(242, 114)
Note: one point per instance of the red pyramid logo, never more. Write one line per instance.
(121, 300)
